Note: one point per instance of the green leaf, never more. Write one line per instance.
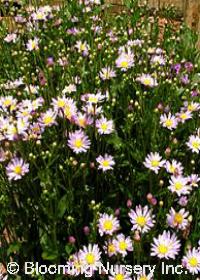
(62, 206)
(49, 255)
(14, 247)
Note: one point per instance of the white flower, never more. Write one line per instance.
(179, 185)
(177, 219)
(169, 121)
(192, 261)
(141, 219)
(194, 143)
(154, 162)
(32, 44)
(106, 162)
(107, 224)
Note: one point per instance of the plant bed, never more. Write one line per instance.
(100, 141)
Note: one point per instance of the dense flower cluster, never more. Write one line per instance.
(100, 139)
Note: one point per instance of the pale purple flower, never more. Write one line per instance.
(191, 261)
(147, 80)
(78, 141)
(32, 44)
(106, 162)
(107, 224)
(183, 201)
(178, 219)
(141, 219)
(154, 162)
(16, 169)
(165, 246)
(125, 60)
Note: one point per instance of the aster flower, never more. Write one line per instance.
(90, 256)
(147, 80)
(169, 121)
(106, 162)
(178, 220)
(59, 102)
(193, 180)
(158, 60)
(104, 126)
(93, 99)
(32, 44)
(143, 277)
(48, 118)
(78, 141)
(183, 201)
(119, 273)
(184, 116)
(16, 169)
(32, 89)
(69, 110)
(192, 106)
(75, 265)
(107, 73)
(174, 167)
(191, 261)
(179, 185)
(107, 224)
(82, 47)
(8, 103)
(194, 143)
(110, 248)
(165, 246)
(125, 60)
(154, 162)
(69, 89)
(11, 132)
(22, 125)
(82, 120)
(11, 37)
(123, 244)
(141, 219)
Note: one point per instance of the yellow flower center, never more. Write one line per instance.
(172, 168)
(104, 126)
(178, 186)
(168, 123)
(111, 248)
(124, 64)
(143, 278)
(196, 144)
(122, 245)
(155, 163)
(93, 99)
(105, 163)
(141, 221)
(193, 262)
(33, 45)
(108, 225)
(191, 107)
(162, 249)
(7, 102)
(82, 122)
(78, 143)
(183, 116)
(67, 112)
(82, 47)
(61, 103)
(18, 169)
(47, 120)
(178, 218)
(147, 82)
(119, 276)
(90, 258)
